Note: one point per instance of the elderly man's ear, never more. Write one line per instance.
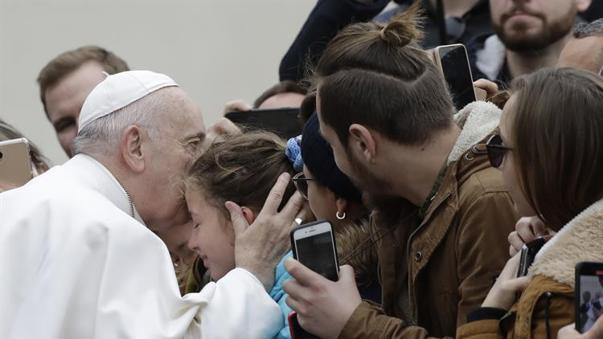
(133, 149)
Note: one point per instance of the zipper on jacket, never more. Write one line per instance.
(473, 150)
(547, 319)
(415, 310)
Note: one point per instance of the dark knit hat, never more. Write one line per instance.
(318, 158)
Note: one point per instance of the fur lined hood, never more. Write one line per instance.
(356, 248)
(580, 240)
(477, 120)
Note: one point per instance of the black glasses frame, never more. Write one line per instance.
(301, 184)
(496, 150)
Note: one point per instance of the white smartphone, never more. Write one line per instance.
(313, 244)
(15, 162)
(454, 64)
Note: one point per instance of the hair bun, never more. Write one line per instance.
(403, 28)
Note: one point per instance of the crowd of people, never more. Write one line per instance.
(162, 227)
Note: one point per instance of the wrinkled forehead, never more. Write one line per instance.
(179, 114)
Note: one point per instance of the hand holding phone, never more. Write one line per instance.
(528, 254)
(324, 307)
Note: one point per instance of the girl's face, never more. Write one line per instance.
(509, 167)
(212, 237)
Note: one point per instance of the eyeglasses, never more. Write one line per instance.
(301, 184)
(496, 150)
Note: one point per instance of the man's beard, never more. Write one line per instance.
(378, 196)
(373, 188)
(550, 34)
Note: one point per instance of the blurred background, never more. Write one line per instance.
(217, 50)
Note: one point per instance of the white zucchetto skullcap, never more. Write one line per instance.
(118, 91)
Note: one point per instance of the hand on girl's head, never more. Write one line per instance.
(260, 246)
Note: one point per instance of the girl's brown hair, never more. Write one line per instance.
(242, 169)
(557, 135)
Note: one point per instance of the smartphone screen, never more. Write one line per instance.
(284, 122)
(457, 73)
(589, 295)
(314, 246)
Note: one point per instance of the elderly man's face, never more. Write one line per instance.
(526, 25)
(584, 53)
(172, 148)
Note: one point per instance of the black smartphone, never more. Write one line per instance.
(454, 64)
(295, 329)
(285, 122)
(589, 294)
(313, 245)
(528, 254)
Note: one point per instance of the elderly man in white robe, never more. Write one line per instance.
(77, 257)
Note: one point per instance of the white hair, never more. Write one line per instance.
(102, 136)
(583, 30)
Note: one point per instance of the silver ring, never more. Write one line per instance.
(299, 221)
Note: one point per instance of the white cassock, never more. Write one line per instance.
(75, 264)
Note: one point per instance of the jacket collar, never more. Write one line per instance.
(579, 240)
(97, 177)
(476, 120)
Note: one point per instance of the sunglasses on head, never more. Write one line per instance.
(496, 150)
(301, 184)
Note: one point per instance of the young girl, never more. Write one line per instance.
(241, 169)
